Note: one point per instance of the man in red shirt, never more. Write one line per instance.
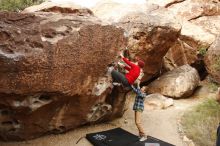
(129, 78)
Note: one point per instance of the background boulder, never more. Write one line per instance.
(212, 60)
(150, 37)
(164, 3)
(189, 48)
(178, 83)
(49, 6)
(199, 20)
(193, 9)
(112, 11)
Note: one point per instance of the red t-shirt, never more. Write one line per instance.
(134, 71)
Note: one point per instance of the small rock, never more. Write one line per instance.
(188, 141)
(158, 101)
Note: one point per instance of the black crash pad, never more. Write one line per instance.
(121, 137)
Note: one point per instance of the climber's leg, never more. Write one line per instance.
(119, 78)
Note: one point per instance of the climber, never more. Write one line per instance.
(138, 108)
(134, 70)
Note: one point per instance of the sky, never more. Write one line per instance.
(90, 3)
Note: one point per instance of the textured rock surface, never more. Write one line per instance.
(53, 73)
(148, 42)
(178, 83)
(112, 11)
(164, 3)
(193, 9)
(199, 20)
(157, 101)
(151, 32)
(187, 50)
(209, 23)
(212, 60)
(59, 8)
(150, 37)
(187, 47)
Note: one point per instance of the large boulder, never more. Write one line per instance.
(199, 20)
(203, 13)
(65, 7)
(212, 60)
(53, 74)
(193, 9)
(164, 3)
(209, 19)
(209, 23)
(178, 83)
(150, 32)
(150, 37)
(111, 11)
(190, 47)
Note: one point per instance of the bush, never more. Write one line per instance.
(202, 51)
(213, 86)
(17, 5)
(200, 124)
(216, 66)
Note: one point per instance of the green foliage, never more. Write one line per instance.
(200, 124)
(216, 66)
(17, 5)
(213, 86)
(202, 51)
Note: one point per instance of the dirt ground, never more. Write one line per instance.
(162, 124)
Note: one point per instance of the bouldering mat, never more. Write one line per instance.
(121, 137)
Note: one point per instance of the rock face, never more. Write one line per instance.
(188, 48)
(150, 37)
(53, 73)
(209, 23)
(193, 9)
(199, 20)
(157, 101)
(148, 24)
(212, 60)
(151, 32)
(164, 3)
(112, 11)
(178, 83)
